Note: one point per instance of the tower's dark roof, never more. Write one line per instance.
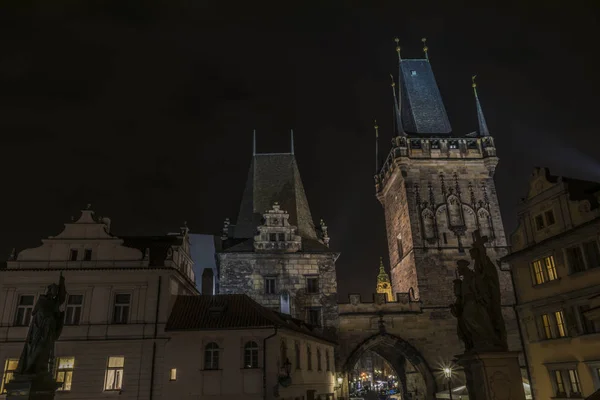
(231, 311)
(274, 178)
(423, 110)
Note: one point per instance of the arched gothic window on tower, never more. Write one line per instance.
(399, 244)
(485, 223)
(428, 224)
(454, 211)
(284, 302)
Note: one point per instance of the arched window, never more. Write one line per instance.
(283, 350)
(251, 355)
(211, 356)
(319, 360)
(327, 361)
(297, 348)
(428, 224)
(308, 358)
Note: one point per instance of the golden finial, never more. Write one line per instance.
(473, 80)
(425, 48)
(393, 82)
(397, 47)
(376, 129)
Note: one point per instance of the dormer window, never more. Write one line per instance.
(281, 237)
(87, 255)
(73, 255)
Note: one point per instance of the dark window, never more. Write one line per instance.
(575, 259)
(211, 356)
(400, 249)
(121, 309)
(281, 237)
(270, 285)
(283, 351)
(539, 222)
(24, 310)
(586, 323)
(312, 285)
(297, 349)
(314, 316)
(251, 355)
(87, 255)
(73, 310)
(272, 237)
(308, 358)
(549, 217)
(327, 361)
(73, 255)
(591, 254)
(207, 281)
(445, 238)
(319, 360)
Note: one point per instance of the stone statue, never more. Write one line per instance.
(46, 326)
(477, 307)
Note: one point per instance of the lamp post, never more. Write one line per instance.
(448, 374)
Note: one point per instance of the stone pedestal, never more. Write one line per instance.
(493, 376)
(31, 387)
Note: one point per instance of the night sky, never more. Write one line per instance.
(145, 109)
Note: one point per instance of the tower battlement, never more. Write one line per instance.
(404, 302)
(405, 149)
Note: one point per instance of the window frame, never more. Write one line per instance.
(73, 307)
(577, 248)
(588, 262)
(26, 307)
(316, 288)
(272, 279)
(87, 254)
(298, 354)
(560, 324)
(308, 358)
(73, 255)
(122, 306)
(251, 352)
(5, 374)
(561, 369)
(116, 376)
(320, 316)
(319, 360)
(212, 349)
(67, 371)
(172, 374)
(543, 270)
(327, 361)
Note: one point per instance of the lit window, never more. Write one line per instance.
(173, 374)
(64, 372)
(413, 73)
(538, 272)
(121, 309)
(560, 324)
(211, 356)
(574, 382)
(308, 358)
(312, 285)
(319, 360)
(114, 373)
(550, 268)
(87, 255)
(297, 348)
(10, 366)
(24, 310)
(251, 355)
(270, 285)
(73, 310)
(546, 325)
(73, 255)
(559, 383)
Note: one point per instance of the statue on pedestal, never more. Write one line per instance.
(477, 307)
(33, 377)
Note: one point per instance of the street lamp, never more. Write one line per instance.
(448, 374)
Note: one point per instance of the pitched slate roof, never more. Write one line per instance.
(422, 107)
(274, 178)
(230, 311)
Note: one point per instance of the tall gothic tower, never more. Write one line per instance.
(436, 188)
(274, 253)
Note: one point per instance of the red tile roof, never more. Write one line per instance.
(231, 311)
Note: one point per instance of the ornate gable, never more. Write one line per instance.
(276, 234)
(539, 182)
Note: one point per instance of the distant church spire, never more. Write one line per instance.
(483, 129)
(383, 282)
(398, 99)
(425, 48)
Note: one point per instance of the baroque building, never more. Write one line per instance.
(274, 253)
(555, 261)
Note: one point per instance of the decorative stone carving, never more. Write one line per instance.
(324, 234)
(276, 234)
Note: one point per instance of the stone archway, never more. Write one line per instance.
(394, 350)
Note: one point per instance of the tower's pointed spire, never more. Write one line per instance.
(254, 142)
(483, 129)
(292, 140)
(376, 147)
(425, 48)
(398, 99)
